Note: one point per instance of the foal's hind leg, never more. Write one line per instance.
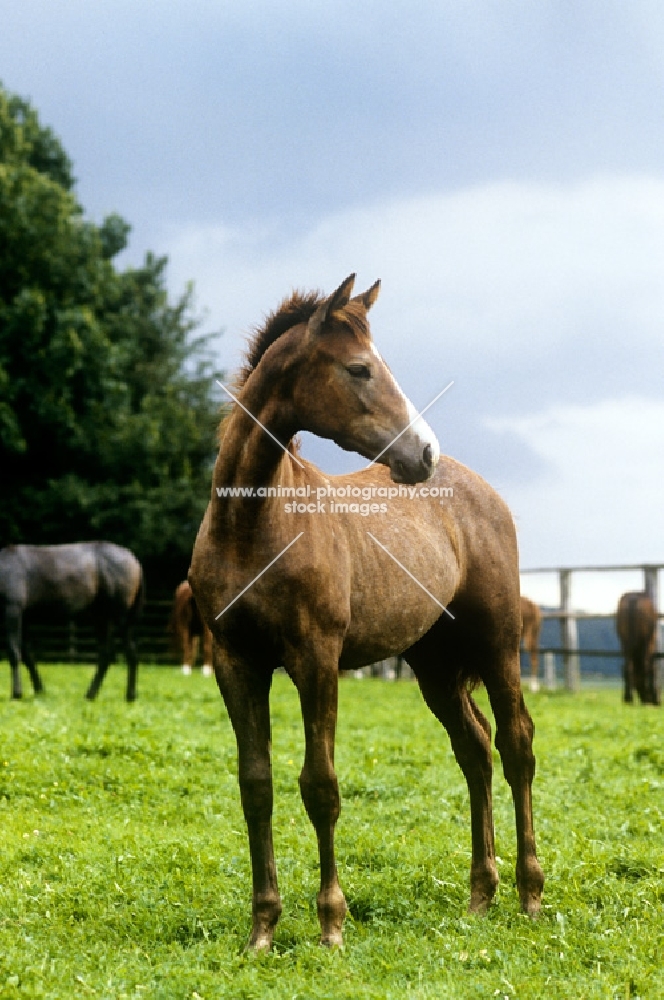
(246, 694)
(317, 685)
(514, 740)
(470, 735)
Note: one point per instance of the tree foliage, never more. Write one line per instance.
(107, 402)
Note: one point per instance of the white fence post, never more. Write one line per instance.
(569, 633)
(650, 582)
(550, 671)
(650, 585)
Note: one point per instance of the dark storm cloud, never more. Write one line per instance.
(245, 110)
(499, 164)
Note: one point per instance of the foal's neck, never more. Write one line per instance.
(249, 456)
(257, 433)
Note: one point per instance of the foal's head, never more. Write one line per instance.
(343, 390)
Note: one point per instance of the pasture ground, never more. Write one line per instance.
(125, 870)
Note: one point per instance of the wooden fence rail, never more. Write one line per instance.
(74, 642)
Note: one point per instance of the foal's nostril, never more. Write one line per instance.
(427, 456)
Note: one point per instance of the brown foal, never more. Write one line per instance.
(313, 586)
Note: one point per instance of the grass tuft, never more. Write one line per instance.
(125, 869)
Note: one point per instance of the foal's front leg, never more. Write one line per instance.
(317, 686)
(246, 693)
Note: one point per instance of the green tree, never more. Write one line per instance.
(107, 397)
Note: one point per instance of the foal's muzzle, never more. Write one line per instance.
(413, 466)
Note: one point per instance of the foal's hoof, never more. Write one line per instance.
(531, 903)
(332, 939)
(530, 880)
(331, 912)
(479, 903)
(483, 884)
(531, 906)
(260, 941)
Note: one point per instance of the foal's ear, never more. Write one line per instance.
(368, 298)
(337, 300)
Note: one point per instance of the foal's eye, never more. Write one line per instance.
(359, 371)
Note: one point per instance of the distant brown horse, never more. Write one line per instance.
(636, 623)
(189, 632)
(311, 584)
(531, 624)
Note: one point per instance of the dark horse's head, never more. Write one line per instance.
(343, 390)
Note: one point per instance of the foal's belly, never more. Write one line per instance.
(364, 648)
(383, 628)
(403, 578)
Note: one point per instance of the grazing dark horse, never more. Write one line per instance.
(531, 624)
(97, 577)
(313, 586)
(636, 623)
(189, 631)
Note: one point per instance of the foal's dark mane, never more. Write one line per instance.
(299, 308)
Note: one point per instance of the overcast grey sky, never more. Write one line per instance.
(500, 165)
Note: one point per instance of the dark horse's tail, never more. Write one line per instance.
(138, 603)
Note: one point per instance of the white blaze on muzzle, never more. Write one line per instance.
(417, 425)
(424, 433)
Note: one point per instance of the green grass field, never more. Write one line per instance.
(125, 869)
